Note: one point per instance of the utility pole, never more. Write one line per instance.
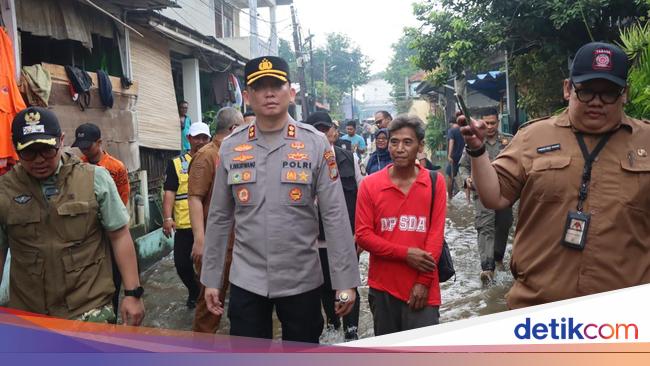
(301, 64)
(254, 40)
(311, 70)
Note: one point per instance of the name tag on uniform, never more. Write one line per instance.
(575, 231)
(548, 148)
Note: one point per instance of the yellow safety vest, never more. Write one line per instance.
(181, 207)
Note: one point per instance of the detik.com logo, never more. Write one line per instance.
(568, 328)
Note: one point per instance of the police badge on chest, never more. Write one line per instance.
(575, 230)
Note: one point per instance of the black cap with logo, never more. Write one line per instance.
(85, 135)
(598, 60)
(35, 125)
(319, 119)
(260, 67)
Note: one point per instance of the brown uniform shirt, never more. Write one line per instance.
(546, 178)
(201, 171)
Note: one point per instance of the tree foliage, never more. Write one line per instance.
(636, 43)
(337, 66)
(401, 66)
(539, 35)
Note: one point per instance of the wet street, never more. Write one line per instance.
(464, 298)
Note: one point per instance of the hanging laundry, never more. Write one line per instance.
(11, 102)
(239, 99)
(36, 85)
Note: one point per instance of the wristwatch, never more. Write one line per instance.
(475, 153)
(343, 297)
(137, 292)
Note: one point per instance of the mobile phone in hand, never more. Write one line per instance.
(463, 108)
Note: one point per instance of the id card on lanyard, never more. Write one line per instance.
(577, 222)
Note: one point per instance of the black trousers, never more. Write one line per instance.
(350, 321)
(251, 315)
(183, 241)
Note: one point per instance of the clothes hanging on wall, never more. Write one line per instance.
(11, 102)
(36, 85)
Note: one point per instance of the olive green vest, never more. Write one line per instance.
(60, 259)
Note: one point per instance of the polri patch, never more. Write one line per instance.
(548, 148)
(22, 199)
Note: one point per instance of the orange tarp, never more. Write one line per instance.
(11, 102)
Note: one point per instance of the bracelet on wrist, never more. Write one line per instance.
(475, 153)
(168, 219)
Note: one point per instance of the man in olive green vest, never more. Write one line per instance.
(58, 216)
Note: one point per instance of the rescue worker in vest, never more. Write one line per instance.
(348, 166)
(59, 216)
(175, 198)
(492, 226)
(582, 178)
(268, 178)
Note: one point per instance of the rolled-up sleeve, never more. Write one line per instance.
(218, 225)
(341, 253)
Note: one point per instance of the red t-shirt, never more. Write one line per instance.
(388, 222)
(118, 172)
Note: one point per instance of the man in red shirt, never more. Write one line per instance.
(402, 229)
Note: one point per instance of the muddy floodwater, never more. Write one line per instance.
(463, 298)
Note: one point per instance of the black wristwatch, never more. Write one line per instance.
(475, 153)
(137, 292)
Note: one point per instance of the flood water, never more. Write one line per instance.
(463, 298)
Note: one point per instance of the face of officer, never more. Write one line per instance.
(492, 122)
(595, 106)
(197, 142)
(41, 160)
(404, 146)
(269, 97)
(93, 152)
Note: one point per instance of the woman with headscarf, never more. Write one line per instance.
(380, 158)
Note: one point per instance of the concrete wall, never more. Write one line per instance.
(197, 15)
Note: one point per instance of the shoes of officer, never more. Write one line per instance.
(487, 277)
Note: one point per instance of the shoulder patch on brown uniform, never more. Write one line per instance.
(528, 123)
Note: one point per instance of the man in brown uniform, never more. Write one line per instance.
(582, 178)
(200, 182)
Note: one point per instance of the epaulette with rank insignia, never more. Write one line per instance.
(528, 123)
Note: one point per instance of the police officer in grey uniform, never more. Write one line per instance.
(269, 175)
(492, 226)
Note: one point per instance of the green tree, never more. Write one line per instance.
(464, 35)
(286, 51)
(401, 66)
(636, 43)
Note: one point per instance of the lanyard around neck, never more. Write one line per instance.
(589, 157)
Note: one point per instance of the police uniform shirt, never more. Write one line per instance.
(112, 212)
(268, 189)
(542, 166)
